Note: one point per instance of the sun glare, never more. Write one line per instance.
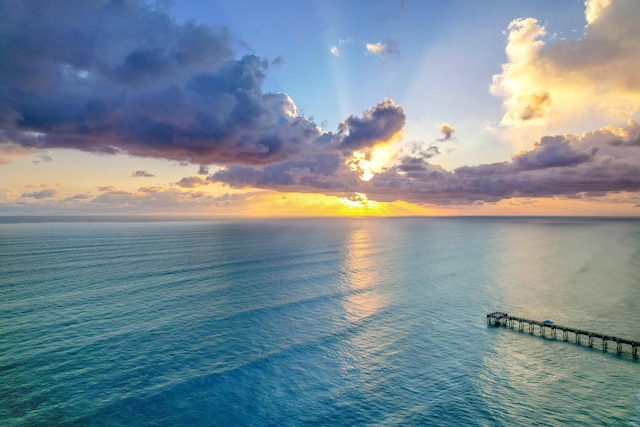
(368, 166)
(360, 200)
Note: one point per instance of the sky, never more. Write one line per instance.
(319, 107)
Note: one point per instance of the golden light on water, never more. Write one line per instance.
(363, 299)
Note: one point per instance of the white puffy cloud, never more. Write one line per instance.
(548, 81)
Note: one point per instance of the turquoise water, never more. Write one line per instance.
(316, 322)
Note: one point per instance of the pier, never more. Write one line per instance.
(504, 319)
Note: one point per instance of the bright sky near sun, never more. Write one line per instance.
(258, 108)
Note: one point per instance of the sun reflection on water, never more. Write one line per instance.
(362, 298)
(366, 351)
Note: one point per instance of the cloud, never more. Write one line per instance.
(43, 158)
(555, 81)
(141, 174)
(312, 172)
(77, 197)
(537, 105)
(626, 136)
(376, 125)
(420, 150)
(88, 76)
(9, 150)
(335, 50)
(153, 189)
(99, 41)
(39, 195)
(357, 200)
(158, 199)
(324, 165)
(163, 199)
(447, 130)
(389, 48)
(565, 166)
(192, 182)
(593, 164)
(552, 152)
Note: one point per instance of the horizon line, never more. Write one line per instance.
(15, 219)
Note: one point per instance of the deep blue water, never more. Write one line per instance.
(316, 322)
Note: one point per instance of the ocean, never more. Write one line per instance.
(324, 322)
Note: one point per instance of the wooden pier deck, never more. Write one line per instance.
(504, 319)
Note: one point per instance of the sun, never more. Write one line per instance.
(359, 200)
(360, 205)
(368, 164)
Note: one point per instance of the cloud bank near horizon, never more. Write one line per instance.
(593, 164)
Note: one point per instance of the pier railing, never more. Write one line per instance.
(504, 319)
